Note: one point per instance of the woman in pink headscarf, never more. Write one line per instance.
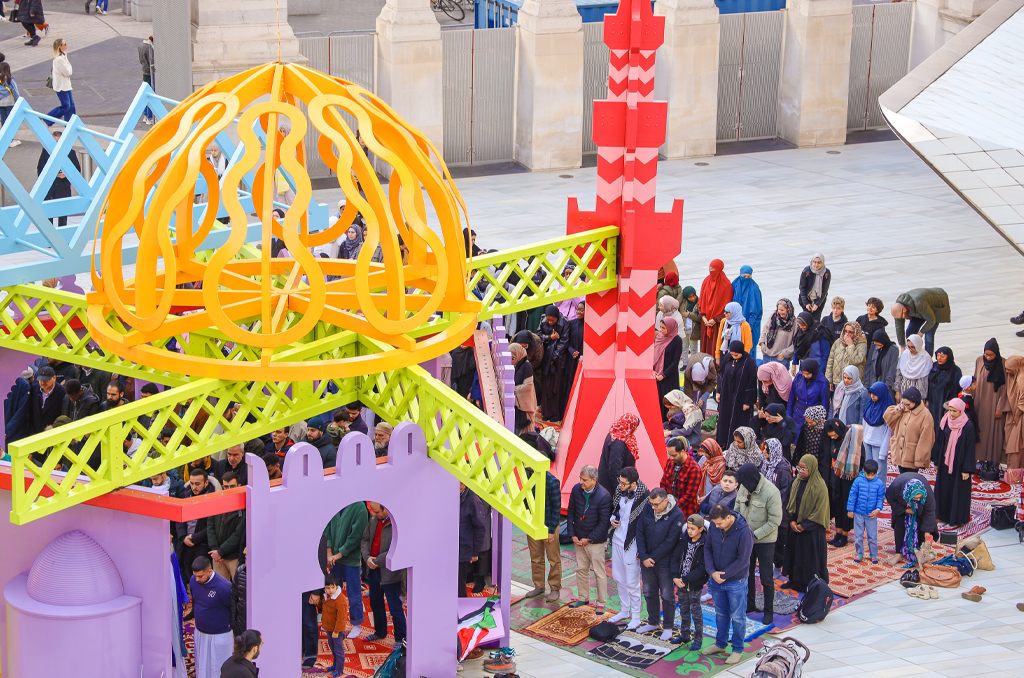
(953, 480)
(668, 349)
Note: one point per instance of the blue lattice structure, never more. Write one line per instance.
(27, 226)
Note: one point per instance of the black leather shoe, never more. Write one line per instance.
(1021, 333)
(1018, 320)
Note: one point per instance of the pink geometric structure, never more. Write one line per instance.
(284, 525)
(617, 368)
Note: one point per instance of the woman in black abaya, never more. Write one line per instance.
(552, 332)
(573, 352)
(737, 392)
(955, 465)
(806, 552)
(943, 385)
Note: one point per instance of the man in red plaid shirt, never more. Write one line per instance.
(683, 477)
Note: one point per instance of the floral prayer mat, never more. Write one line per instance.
(848, 579)
(566, 625)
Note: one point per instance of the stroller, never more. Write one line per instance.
(781, 659)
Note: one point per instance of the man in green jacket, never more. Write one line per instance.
(925, 307)
(760, 504)
(344, 556)
(224, 535)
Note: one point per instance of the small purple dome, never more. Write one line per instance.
(74, 570)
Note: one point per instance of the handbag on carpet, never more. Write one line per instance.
(943, 576)
(1003, 516)
(948, 537)
(988, 472)
(605, 632)
(1013, 476)
(979, 551)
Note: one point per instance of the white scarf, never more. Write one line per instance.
(916, 366)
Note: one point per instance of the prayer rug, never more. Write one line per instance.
(566, 625)
(634, 650)
(754, 627)
(362, 658)
(847, 578)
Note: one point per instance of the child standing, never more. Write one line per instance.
(866, 497)
(691, 575)
(334, 614)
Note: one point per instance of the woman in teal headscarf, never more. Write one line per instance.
(748, 294)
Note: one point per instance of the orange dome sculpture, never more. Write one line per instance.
(279, 319)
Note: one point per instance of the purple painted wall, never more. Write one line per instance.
(138, 545)
(501, 572)
(284, 525)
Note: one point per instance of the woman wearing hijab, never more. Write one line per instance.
(552, 332)
(1013, 432)
(850, 398)
(910, 496)
(956, 465)
(778, 425)
(876, 432)
(806, 552)
(684, 418)
(733, 327)
(811, 341)
(715, 293)
(847, 462)
(351, 245)
(743, 450)
(814, 282)
(526, 396)
(913, 367)
(775, 385)
(809, 389)
(748, 294)
(966, 394)
(620, 450)
(712, 464)
(669, 267)
(463, 368)
(574, 331)
(883, 357)
(913, 432)
(776, 343)
(470, 238)
(671, 287)
(778, 471)
(992, 403)
(851, 348)
(668, 307)
(700, 378)
(737, 392)
(668, 347)
(812, 441)
(943, 385)
(689, 331)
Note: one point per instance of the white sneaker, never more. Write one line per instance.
(646, 628)
(633, 625)
(666, 635)
(14, 143)
(621, 616)
(354, 633)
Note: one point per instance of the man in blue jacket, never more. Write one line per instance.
(658, 546)
(727, 557)
(587, 521)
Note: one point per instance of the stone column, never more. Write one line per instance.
(230, 36)
(549, 109)
(815, 87)
(686, 76)
(409, 65)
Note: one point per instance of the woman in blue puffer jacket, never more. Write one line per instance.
(810, 388)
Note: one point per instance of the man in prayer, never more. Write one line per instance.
(211, 605)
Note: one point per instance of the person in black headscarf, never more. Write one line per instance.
(882, 358)
(839, 489)
(573, 351)
(991, 403)
(470, 238)
(778, 425)
(943, 385)
(552, 332)
(534, 353)
(463, 368)
(811, 340)
(737, 392)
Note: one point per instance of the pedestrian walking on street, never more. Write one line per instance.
(62, 82)
(8, 93)
(30, 14)
(147, 57)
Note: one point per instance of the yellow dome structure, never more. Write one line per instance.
(280, 319)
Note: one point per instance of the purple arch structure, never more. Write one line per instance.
(284, 525)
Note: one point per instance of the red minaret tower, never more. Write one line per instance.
(617, 373)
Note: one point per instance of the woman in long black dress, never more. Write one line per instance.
(943, 385)
(737, 392)
(955, 466)
(811, 440)
(573, 352)
(668, 348)
(552, 332)
(806, 552)
(847, 444)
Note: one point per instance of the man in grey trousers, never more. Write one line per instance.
(147, 57)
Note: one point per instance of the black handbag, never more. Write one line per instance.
(1003, 516)
(950, 537)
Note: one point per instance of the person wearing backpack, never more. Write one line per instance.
(727, 558)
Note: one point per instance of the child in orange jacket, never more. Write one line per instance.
(333, 618)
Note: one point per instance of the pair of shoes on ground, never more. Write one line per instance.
(839, 541)
(501, 661)
(923, 591)
(733, 658)
(974, 595)
(857, 559)
(684, 638)
(335, 670)
(598, 609)
(551, 597)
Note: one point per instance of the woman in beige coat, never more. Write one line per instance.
(1014, 426)
(851, 348)
(913, 432)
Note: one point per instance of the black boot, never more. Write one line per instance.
(769, 618)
